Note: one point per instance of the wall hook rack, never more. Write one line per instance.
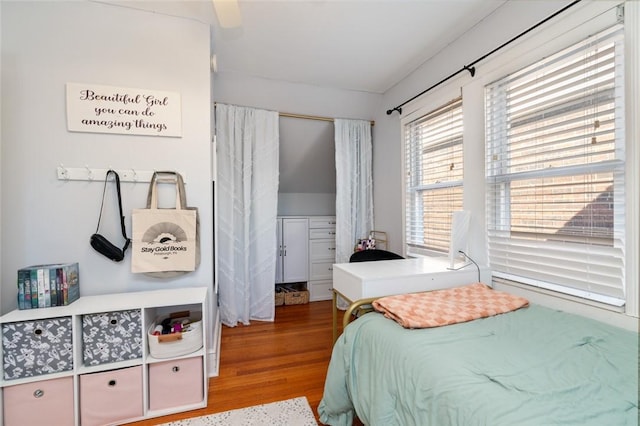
(98, 175)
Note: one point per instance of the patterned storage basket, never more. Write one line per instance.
(33, 348)
(112, 337)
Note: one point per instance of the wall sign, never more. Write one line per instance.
(107, 109)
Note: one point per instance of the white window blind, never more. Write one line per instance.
(433, 163)
(555, 171)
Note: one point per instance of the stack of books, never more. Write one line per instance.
(45, 286)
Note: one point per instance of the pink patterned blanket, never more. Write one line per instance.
(448, 306)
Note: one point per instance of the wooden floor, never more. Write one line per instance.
(270, 361)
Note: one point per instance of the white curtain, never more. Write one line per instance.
(354, 189)
(247, 183)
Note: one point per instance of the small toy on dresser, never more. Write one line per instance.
(365, 244)
(48, 285)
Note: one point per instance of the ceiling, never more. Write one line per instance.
(364, 45)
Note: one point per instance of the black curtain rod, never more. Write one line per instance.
(471, 68)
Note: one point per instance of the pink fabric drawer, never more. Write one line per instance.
(110, 396)
(175, 383)
(48, 402)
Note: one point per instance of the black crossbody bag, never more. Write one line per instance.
(100, 243)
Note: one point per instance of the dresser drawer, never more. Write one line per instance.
(111, 396)
(47, 343)
(112, 336)
(47, 402)
(322, 222)
(322, 250)
(321, 270)
(175, 383)
(322, 233)
(320, 290)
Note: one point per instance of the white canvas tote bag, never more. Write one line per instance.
(165, 242)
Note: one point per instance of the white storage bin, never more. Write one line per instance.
(177, 344)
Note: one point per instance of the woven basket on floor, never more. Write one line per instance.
(296, 297)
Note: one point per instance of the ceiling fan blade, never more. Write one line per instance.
(228, 13)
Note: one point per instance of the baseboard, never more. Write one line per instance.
(213, 355)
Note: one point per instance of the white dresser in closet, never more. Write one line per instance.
(322, 256)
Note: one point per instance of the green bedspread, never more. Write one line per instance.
(534, 366)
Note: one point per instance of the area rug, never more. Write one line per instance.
(290, 412)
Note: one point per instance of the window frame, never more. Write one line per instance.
(498, 188)
(414, 193)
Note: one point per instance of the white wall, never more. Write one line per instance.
(294, 98)
(45, 220)
(298, 99)
(307, 167)
(307, 204)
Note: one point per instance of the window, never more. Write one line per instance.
(555, 171)
(433, 165)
